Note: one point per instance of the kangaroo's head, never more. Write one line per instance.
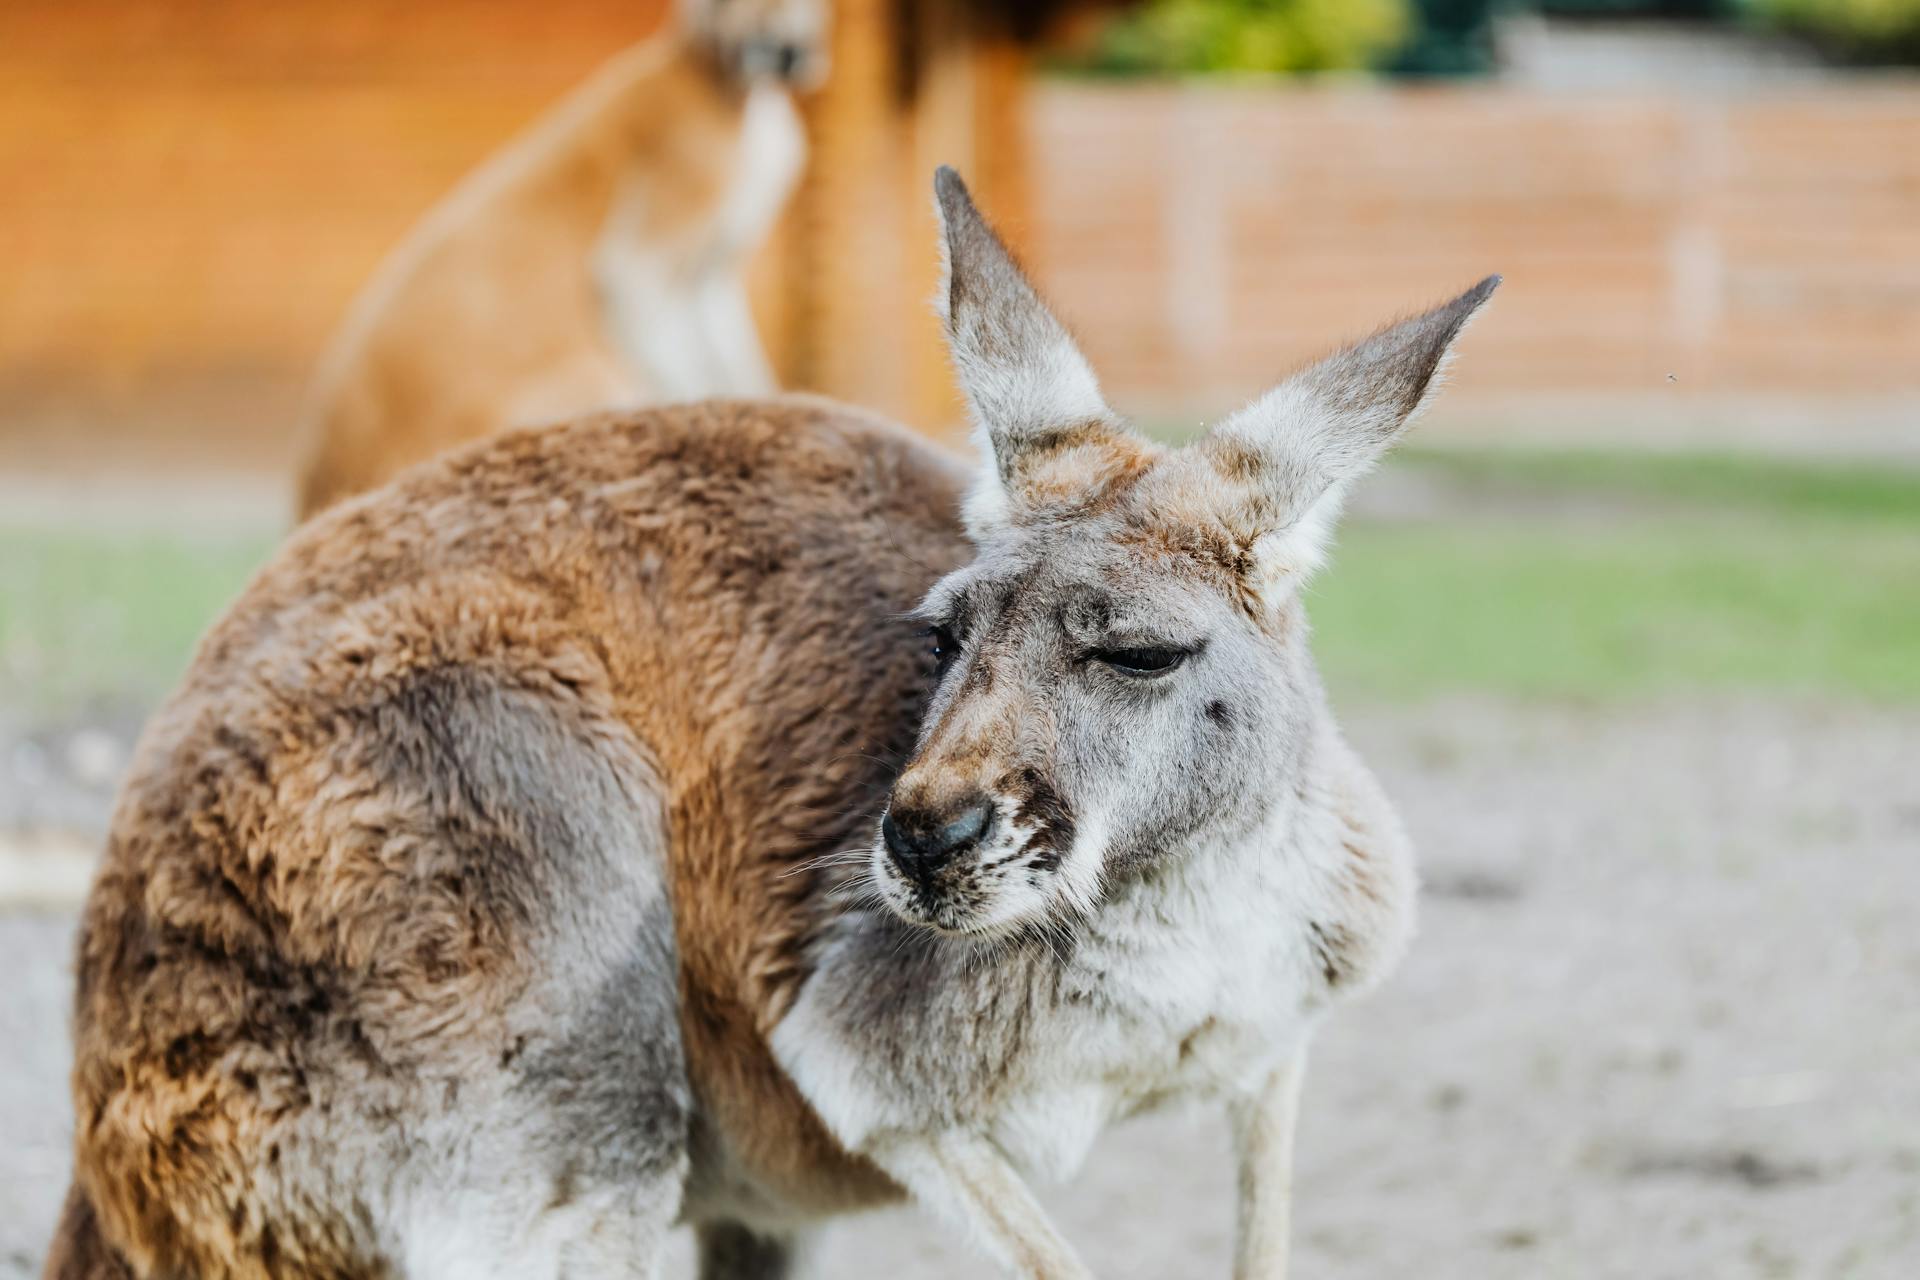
(1124, 672)
(755, 41)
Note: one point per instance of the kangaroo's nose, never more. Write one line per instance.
(920, 843)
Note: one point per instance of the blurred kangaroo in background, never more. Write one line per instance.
(690, 816)
(596, 261)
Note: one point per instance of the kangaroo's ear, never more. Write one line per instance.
(1290, 455)
(1030, 390)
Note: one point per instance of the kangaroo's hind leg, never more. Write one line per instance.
(580, 1168)
(564, 1151)
(566, 1155)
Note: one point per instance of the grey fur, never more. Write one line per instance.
(555, 1145)
(1022, 374)
(1317, 432)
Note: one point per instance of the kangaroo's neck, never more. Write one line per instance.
(656, 99)
(1208, 883)
(673, 69)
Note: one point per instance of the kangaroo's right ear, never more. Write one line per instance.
(1289, 456)
(1030, 390)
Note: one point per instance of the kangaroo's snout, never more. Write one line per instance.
(790, 60)
(921, 841)
(777, 58)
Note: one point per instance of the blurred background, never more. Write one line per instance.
(1631, 629)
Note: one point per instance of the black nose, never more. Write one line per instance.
(788, 60)
(921, 843)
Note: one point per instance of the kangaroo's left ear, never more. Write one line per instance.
(1032, 393)
(1290, 456)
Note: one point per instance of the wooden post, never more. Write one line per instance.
(944, 132)
(969, 111)
(846, 301)
(845, 263)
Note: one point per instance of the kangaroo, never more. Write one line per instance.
(596, 261)
(732, 815)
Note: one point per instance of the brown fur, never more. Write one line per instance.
(294, 908)
(79, 1251)
(489, 315)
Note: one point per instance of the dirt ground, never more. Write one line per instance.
(1661, 1020)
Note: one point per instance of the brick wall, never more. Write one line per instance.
(1712, 250)
(191, 190)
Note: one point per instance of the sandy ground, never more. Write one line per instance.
(1661, 1020)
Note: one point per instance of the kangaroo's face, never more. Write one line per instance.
(780, 41)
(1108, 693)
(1124, 672)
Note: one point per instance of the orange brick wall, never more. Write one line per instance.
(1768, 245)
(191, 190)
(205, 182)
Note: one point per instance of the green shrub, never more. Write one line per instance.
(1873, 30)
(1185, 36)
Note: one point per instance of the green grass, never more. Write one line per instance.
(1563, 575)
(89, 614)
(1698, 483)
(1588, 574)
(1647, 609)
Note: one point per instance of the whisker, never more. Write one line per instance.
(838, 858)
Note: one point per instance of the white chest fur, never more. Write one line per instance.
(766, 164)
(673, 295)
(1181, 993)
(1193, 984)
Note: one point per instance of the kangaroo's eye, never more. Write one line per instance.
(945, 647)
(1142, 662)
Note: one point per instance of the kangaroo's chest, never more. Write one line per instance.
(1149, 1026)
(666, 225)
(766, 163)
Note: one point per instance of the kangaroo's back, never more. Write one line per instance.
(486, 838)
